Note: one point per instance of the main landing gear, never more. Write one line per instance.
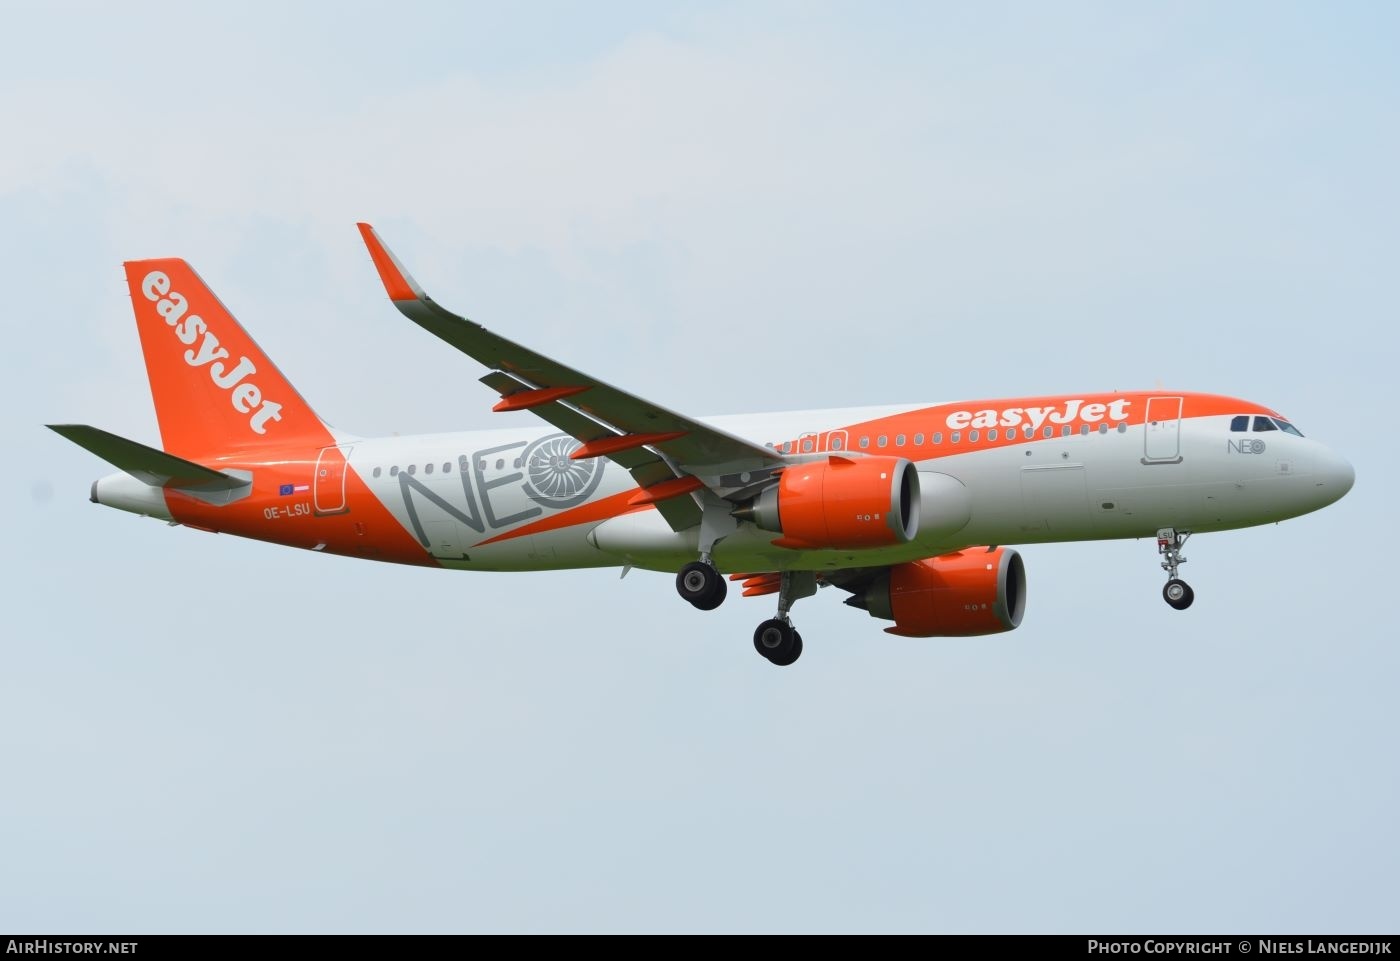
(700, 584)
(704, 588)
(776, 639)
(1177, 592)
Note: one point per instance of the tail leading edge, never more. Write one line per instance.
(214, 389)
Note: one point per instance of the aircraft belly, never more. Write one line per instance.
(553, 550)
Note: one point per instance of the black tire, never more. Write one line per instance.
(716, 598)
(1178, 594)
(776, 641)
(792, 655)
(701, 585)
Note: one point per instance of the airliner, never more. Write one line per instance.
(907, 510)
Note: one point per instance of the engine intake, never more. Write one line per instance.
(963, 594)
(840, 502)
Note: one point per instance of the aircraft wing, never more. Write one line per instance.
(668, 454)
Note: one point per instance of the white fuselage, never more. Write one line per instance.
(1099, 484)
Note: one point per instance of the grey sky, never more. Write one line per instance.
(736, 207)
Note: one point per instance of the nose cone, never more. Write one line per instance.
(1333, 477)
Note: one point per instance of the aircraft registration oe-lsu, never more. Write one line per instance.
(907, 509)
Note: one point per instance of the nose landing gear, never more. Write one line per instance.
(1176, 592)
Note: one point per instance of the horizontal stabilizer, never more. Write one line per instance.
(146, 464)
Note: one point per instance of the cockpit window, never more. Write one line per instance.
(1287, 428)
(1262, 424)
(1239, 423)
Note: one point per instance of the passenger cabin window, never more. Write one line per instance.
(835, 443)
(899, 440)
(378, 471)
(1066, 431)
(972, 437)
(991, 435)
(428, 468)
(882, 440)
(1239, 423)
(918, 439)
(938, 437)
(1263, 424)
(864, 442)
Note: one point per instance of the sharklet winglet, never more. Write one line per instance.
(398, 283)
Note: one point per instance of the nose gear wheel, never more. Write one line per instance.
(1177, 592)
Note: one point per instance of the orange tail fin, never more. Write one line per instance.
(214, 389)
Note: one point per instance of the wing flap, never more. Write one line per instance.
(681, 513)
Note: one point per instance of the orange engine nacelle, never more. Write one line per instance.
(970, 592)
(841, 502)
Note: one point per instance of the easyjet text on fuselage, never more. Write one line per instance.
(1034, 417)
